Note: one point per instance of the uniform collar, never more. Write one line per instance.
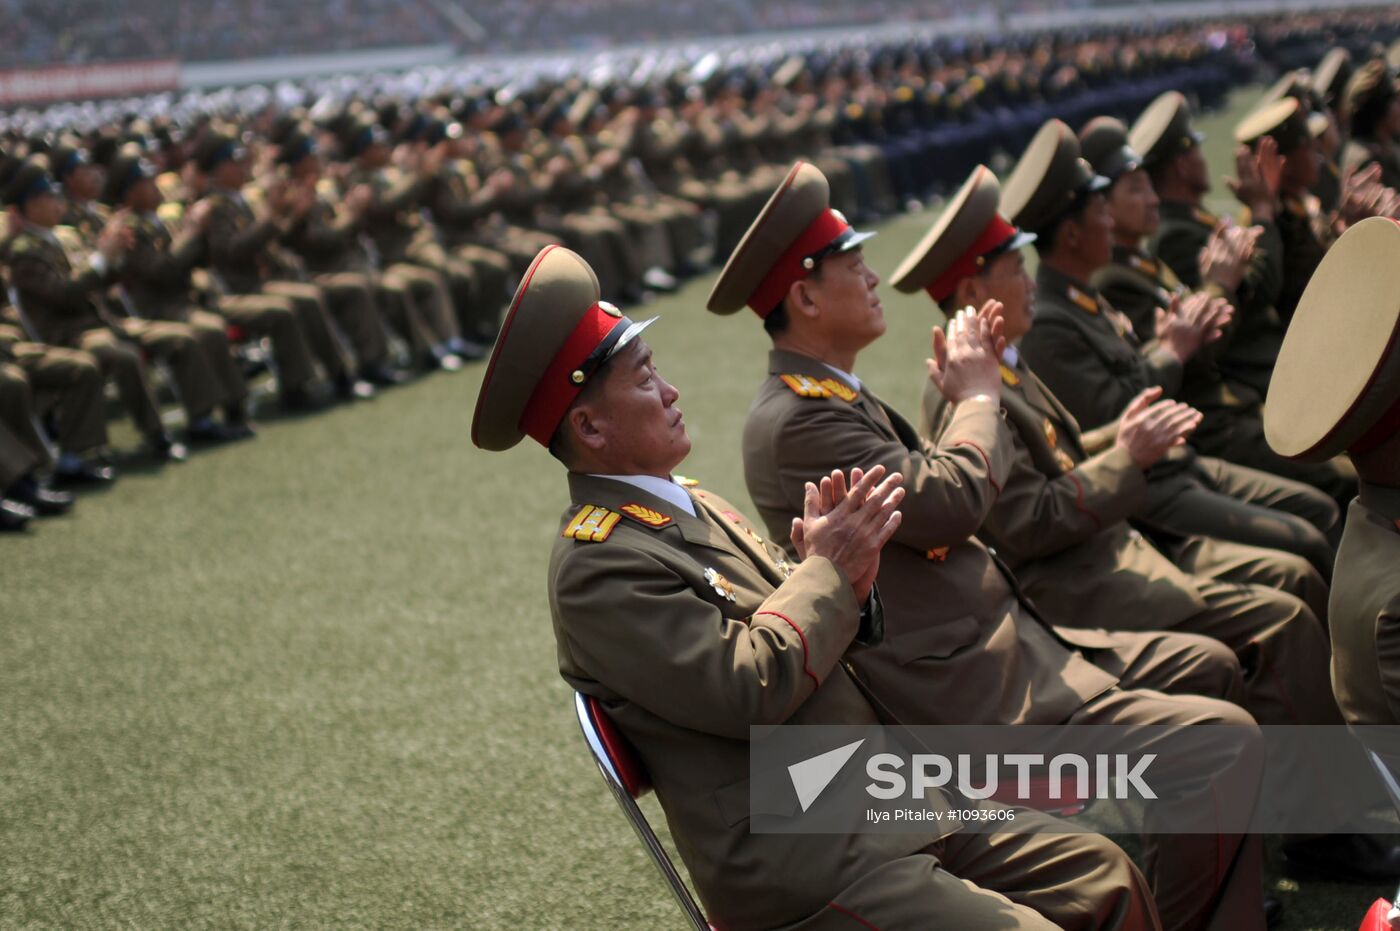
(1011, 357)
(663, 488)
(1382, 499)
(851, 381)
(44, 233)
(1135, 258)
(1081, 295)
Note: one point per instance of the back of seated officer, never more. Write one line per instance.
(669, 611)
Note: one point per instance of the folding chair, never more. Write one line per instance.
(627, 780)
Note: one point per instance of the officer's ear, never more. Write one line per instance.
(802, 296)
(583, 428)
(969, 293)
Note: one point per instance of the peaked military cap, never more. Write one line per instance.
(556, 336)
(1049, 180)
(30, 180)
(1330, 76)
(795, 230)
(1336, 384)
(1164, 129)
(1104, 144)
(1285, 120)
(1371, 86)
(214, 149)
(128, 168)
(967, 235)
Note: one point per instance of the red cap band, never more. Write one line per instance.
(997, 232)
(1383, 429)
(820, 233)
(557, 389)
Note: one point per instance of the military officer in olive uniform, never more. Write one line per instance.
(749, 638)
(24, 454)
(61, 306)
(1085, 350)
(68, 385)
(1172, 156)
(1192, 494)
(168, 247)
(1371, 107)
(155, 274)
(1060, 519)
(81, 182)
(1336, 390)
(393, 220)
(962, 644)
(461, 203)
(239, 246)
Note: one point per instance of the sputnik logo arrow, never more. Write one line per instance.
(811, 777)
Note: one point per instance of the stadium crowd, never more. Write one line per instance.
(346, 239)
(337, 242)
(87, 31)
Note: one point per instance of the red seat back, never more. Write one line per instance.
(625, 763)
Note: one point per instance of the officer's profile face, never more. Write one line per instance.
(144, 196)
(1090, 234)
(376, 155)
(1134, 205)
(229, 174)
(1391, 124)
(84, 182)
(629, 423)
(1003, 279)
(1194, 170)
(840, 300)
(1301, 166)
(44, 210)
(308, 169)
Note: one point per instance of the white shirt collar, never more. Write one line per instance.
(43, 232)
(664, 488)
(850, 380)
(1011, 356)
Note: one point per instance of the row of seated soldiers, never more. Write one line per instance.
(339, 232)
(1066, 519)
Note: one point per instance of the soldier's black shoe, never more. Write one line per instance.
(467, 349)
(1343, 858)
(163, 448)
(13, 515)
(299, 400)
(444, 360)
(208, 430)
(45, 502)
(349, 388)
(84, 473)
(239, 430)
(382, 376)
(1273, 910)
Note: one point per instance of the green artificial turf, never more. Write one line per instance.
(309, 681)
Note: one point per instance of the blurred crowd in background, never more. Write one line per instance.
(326, 239)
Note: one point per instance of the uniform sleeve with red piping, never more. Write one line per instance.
(642, 627)
(1038, 515)
(948, 491)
